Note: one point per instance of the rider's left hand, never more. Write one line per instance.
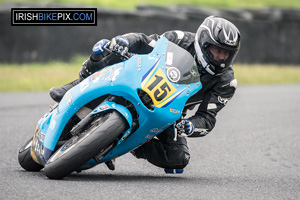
(120, 45)
(100, 46)
(185, 128)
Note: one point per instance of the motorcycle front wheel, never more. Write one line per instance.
(25, 159)
(80, 149)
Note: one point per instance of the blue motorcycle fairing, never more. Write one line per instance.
(108, 105)
(154, 73)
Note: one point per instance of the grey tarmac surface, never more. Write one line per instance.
(253, 153)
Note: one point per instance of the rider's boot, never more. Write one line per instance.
(111, 164)
(90, 66)
(57, 93)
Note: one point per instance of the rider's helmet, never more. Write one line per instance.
(222, 34)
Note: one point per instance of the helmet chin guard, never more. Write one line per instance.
(200, 58)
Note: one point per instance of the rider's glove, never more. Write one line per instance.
(120, 45)
(185, 128)
(100, 46)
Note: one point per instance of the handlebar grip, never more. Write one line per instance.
(126, 56)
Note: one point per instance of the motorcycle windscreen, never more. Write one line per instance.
(180, 65)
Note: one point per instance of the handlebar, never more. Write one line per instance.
(124, 57)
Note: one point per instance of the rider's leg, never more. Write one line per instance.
(164, 152)
(90, 66)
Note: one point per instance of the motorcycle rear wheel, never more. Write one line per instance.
(25, 159)
(80, 149)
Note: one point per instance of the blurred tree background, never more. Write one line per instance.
(132, 4)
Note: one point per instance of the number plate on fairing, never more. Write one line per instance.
(159, 88)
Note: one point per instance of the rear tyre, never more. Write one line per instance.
(25, 159)
(80, 149)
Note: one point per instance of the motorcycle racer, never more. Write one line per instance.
(214, 46)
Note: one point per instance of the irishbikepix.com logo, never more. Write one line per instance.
(54, 16)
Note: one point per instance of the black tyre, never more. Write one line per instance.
(80, 149)
(26, 160)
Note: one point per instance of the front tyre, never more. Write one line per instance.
(80, 149)
(25, 159)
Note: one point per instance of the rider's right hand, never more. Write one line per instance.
(185, 128)
(120, 45)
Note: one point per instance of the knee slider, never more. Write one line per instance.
(185, 159)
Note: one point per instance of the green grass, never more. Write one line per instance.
(131, 4)
(41, 77)
(266, 74)
(38, 76)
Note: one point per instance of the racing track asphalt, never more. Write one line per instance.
(253, 153)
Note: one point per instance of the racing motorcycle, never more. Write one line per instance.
(113, 111)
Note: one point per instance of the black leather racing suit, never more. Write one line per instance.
(215, 93)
